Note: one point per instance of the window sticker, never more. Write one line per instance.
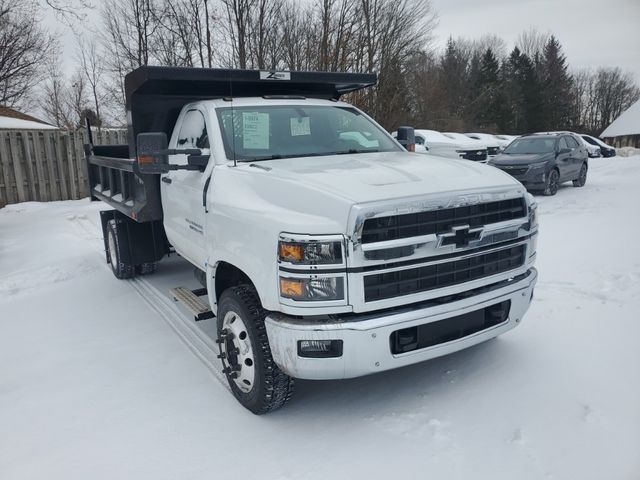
(255, 130)
(300, 126)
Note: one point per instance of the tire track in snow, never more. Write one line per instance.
(202, 346)
(198, 342)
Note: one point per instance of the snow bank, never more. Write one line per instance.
(628, 151)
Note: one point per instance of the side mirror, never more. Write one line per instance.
(407, 138)
(153, 157)
(562, 151)
(197, 162)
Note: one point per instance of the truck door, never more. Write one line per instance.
(182, 191)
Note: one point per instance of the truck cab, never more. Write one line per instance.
(325, 249)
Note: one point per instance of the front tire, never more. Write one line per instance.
(582, 178)
(255, 380)
(118, 251)
(552, 183)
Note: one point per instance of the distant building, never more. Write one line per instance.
(11, 119)
(625, 130)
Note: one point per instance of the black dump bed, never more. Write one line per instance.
(155, 96)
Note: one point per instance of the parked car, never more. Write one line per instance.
(436, 143)
(461, 137)
(592, 150)
(324, 250)
(507, 138)
(494, 144)
(605, 149)
(541, 162)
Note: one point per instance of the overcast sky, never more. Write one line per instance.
(593, 32)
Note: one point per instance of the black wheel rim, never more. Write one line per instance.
(583, 175)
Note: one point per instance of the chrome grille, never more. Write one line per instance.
(441, 221)
(386, 285)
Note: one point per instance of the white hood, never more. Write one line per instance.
(372, 177)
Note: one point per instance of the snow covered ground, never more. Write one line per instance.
(96, 383)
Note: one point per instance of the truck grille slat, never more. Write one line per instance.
(415, 280)
(440, 221)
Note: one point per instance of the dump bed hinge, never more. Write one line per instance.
(190, 299)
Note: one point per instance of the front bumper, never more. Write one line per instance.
(530, 178)
(366, 337)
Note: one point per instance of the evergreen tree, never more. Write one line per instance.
(488, 101)
(532, 107)
(521, 91)
(452, 83)
(557, 85)
(513, 111)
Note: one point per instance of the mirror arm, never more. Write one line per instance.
(177, 151)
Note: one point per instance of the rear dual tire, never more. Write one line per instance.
(118, 253)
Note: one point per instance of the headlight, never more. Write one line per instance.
(312, 288)
(533, 215)
(310, 252)
(537, 165)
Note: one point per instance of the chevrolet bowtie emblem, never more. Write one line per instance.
(460, 236)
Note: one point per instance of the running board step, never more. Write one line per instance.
(189, 298)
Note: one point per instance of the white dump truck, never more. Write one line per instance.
(325, 249)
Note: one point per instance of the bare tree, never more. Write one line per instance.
(129, 28)
(69, 11)
(237, 28)
(184, 35)
(76, 98)
(54, 98)
(390, 33)
(91, 67)
(23, 48)
(126, 41)
(615, 91)
(531, 42)
(264, 38)
(490, 41)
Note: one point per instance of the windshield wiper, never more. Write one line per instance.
(258, 159)
(311, 154)
(354, 150)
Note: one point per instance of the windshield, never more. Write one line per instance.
(525, 146)
(282, 131)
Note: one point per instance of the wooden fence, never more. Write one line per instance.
(37, 165)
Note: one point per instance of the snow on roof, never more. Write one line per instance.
(626, 124)
(19, 124)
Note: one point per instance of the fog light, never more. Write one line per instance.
(319, 348)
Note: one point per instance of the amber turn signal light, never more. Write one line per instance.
(291, 288)
(291, 252)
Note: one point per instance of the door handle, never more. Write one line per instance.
(166, 179)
